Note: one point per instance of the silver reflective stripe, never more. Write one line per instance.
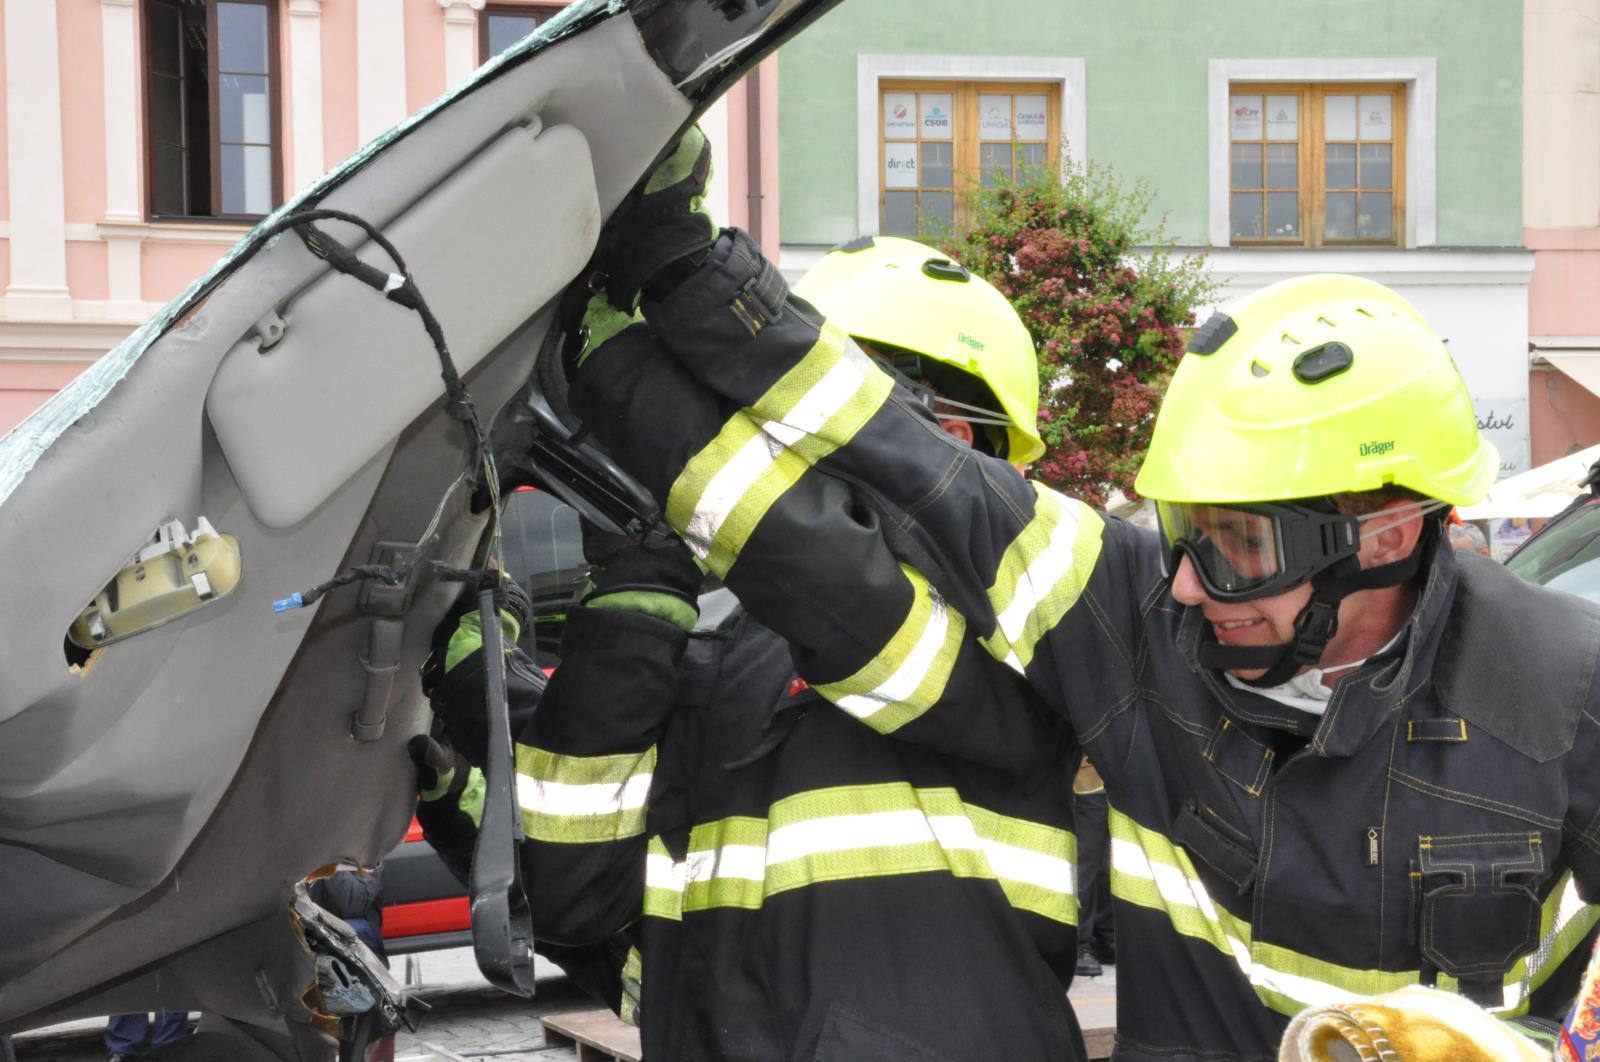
(903, 683)
(727, 488)
(598, 798)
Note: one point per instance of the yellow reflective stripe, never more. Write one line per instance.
(1151, 871)
(861, 832)
(1042, 574)
(816, 407)
(632, 987)
(909, 674)
(582, 799)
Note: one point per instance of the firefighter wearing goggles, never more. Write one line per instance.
(1340, 759)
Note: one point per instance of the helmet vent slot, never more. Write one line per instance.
(1258, 369)
(1366, 313)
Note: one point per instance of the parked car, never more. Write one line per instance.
(205, 696)
(1565, 553)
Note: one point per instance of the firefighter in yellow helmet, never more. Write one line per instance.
(1340, 757)
(772, 878)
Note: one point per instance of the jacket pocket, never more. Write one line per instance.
(1479, 910)
(1207, 842)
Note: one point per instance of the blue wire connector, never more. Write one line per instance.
(284, 604)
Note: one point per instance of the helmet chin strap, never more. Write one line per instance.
(1316, 624)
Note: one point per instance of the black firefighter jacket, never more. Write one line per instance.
(1439, 824)
(791, 884)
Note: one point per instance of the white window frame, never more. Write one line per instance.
(1421, 79)
(871, 70)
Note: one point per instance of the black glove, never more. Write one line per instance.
(659, 224)
(449, 801)
(623, 564)
(510, 598)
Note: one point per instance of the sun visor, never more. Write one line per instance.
(488, 248)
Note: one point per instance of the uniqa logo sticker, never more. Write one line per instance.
(1376, 449)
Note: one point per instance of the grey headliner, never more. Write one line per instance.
(174, 793)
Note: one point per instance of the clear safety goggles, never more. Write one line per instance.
(1243, 552)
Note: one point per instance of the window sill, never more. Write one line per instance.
(172, 230)
(1438, 265)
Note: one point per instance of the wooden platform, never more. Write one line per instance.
(598, 1035)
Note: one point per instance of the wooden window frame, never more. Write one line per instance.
(214, 124)
(966, 135)
(546, 10)
(1312, 160)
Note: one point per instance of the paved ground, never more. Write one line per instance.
(471, 1021)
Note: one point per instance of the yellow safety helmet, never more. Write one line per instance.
(900, 293)
(1316, 386)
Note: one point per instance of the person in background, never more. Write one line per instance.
(352, 895)
(1096, 936)
(1467, 536)
(131, 1036)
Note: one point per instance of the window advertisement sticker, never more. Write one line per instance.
(994, 117)
(936, 108)
(1376, 118)
(899, 165)
(1504, 422)
(900, 115)
(1033, 118)
(1283, 117)
(1246, 117)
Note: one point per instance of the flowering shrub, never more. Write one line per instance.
(1109, 324)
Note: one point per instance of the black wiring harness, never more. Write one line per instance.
(399, 287)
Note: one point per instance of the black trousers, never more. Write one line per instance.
(1094, 875)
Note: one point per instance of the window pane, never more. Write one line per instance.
(166, 197)
(1246, 117)
(1283, 117)
(1339, 165)
(1246, 214)
(900, 165)
(1283, 165)
(506, 30)
(246, 117)
(938, 213)
(900, 115)
(936, 159)
(994, 117)
(242, 38)
(1377, 166)
(1339, 117)
(1375, 216)
(1247, 165)
(1033, 117)
(900, 214)
(166, 37)
(935, 109)
(246, 179)
(994, 163)
(1339, 217)
(1030, 159)
(1376, 121)
(1283, 214)
(166, 110)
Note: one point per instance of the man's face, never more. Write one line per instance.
(1245, 543)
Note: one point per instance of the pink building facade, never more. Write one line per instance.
(138, 139)
(1561, 218)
